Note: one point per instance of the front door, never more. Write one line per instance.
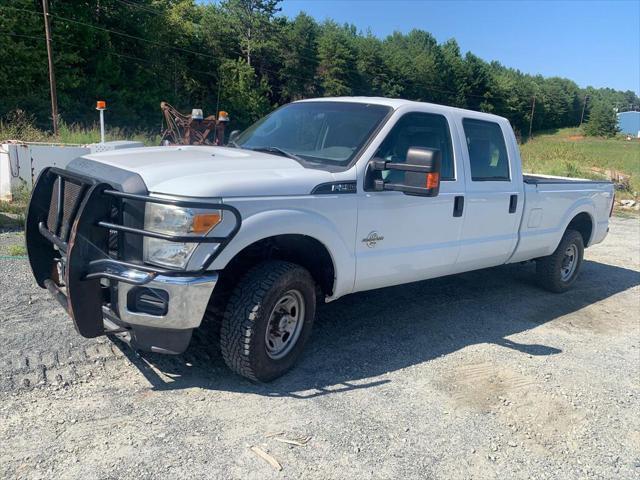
(403, 238)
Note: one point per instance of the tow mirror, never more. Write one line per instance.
(421, 173)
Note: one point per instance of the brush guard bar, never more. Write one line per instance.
(72, 222)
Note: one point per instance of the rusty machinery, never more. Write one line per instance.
(192, 129)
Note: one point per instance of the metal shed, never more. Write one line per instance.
(629, 123)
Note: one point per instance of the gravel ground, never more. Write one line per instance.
(10, 237)
(475, 376)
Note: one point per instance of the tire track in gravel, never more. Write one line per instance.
(57, 366)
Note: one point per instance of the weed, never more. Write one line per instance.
(18, 125)
(17, 250)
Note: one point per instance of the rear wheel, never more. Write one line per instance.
(559, 271)
(267, 320)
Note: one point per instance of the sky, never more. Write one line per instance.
(590, 42)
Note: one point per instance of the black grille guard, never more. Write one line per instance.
(83, 248)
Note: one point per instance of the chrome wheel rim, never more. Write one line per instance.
(285, 324)
(569, 263)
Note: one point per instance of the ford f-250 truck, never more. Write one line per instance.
(317, 200)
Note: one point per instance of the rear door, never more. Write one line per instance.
(403, 238)
(494, 193)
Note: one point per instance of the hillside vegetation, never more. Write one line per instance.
(244, 57)
(568, 152)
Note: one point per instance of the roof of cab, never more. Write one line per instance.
(395, 103)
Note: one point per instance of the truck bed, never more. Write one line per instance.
(549, 205)
(547, 179)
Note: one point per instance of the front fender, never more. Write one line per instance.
(265, 224)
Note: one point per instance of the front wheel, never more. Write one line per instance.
(267, 320)
(559, 271)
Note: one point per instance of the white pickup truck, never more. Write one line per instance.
(319, 199)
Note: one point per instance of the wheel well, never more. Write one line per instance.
(583, 224)
(301, 249)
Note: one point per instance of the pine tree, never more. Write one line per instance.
(336, 68)
(603, 121)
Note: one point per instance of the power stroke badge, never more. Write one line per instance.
(372, 239)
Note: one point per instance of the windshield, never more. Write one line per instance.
(323, 132)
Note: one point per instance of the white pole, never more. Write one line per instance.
(101, 126)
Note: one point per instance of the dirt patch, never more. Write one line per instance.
(535, 418)
(485, 386)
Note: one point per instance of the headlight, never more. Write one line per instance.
(174, 220)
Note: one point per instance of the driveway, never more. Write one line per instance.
(474, 376)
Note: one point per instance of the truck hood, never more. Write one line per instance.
(201, 171)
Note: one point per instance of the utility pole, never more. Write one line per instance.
(533, 109)
(584, 105)
(52, 75)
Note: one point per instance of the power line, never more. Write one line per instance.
(21, 35)
(58, 17)
(133, 37)
(108, 52)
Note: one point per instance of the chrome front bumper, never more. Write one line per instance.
(186, 301)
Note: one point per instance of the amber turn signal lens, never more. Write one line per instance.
(204, 222)
(433, 180)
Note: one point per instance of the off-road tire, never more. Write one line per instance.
(548, 269)
(242, 335)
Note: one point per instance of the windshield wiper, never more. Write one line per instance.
(280, 151)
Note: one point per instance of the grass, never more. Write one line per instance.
(17, 250)
(568, 153)
(19, 126)
(12, 214)
(625, 213)
(80, 135)
(15, 207)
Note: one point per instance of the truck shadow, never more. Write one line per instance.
(359, 338)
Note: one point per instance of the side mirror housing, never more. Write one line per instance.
(233, 136)
(421, 173)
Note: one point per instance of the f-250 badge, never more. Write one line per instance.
(372, 239)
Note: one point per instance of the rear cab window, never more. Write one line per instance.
(421, 130)
(487, 149)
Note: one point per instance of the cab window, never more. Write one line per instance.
(422, 130)
(487, 151)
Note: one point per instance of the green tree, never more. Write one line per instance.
(373, 78)
(253, 19)
(243, 95)
(603, 121)
(336, 54)
(299, 58)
